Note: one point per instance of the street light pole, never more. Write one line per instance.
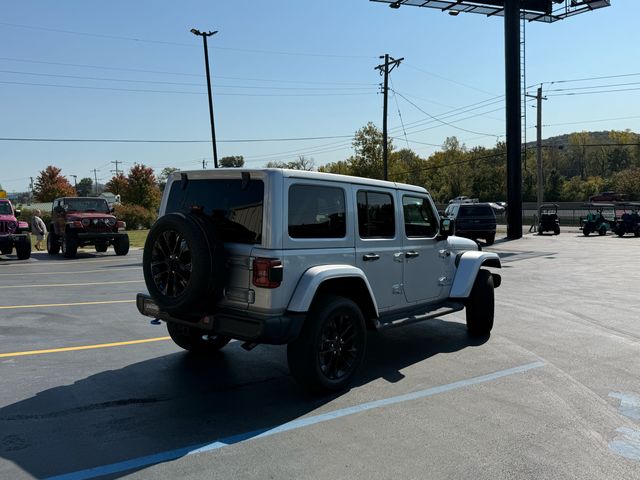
(204, 36)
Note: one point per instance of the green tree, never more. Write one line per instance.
(554, 184)
(85, 187)
(303, 163)
(628, 181)
(142, 188)
(50, 185)
(236, 161)
(164, 175)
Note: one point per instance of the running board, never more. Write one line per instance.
(404, 319)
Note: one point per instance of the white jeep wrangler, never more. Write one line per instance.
(307, 259)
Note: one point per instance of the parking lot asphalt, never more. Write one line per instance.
(89, 389)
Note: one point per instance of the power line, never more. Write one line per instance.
(120, 140)
(164, 72)
(592, 86)
(586, 79)
(593, 93)
(185, 92)
(258, 87)
(179, 44)
(442, 121)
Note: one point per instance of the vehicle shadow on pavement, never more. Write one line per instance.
(179, 400)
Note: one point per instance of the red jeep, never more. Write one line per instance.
(13, 232)
(80, 221)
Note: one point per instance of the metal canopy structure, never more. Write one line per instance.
(546, 11)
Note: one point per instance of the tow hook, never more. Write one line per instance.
(155, 321)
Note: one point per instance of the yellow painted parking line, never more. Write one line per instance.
(72, 272)
(8, 307)
(71, 284)
(82, 347)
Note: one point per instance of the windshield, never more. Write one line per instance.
(5, 208)
(87, 205)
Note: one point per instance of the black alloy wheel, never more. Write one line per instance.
(331, 345)
(171, 266)
(338, 351)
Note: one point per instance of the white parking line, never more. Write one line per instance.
(75, 272)
(166, 456)
(70, 284)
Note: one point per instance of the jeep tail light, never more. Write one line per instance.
(267, 272)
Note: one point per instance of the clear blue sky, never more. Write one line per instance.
(283, 69)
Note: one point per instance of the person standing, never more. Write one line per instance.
(38, 228)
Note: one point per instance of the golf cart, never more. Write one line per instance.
(629, 221)
(600, 218)
(548, 219)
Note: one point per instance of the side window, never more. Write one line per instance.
(375, 215)
(316, 212)
(419, 219)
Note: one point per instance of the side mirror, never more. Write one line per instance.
(16, 213)
(447, 228)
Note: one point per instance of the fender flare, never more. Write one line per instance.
(469, 264)
(314, 277)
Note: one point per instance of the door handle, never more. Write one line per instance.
(370, 257)
(411, 254)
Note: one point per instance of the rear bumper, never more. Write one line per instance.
(275, 330)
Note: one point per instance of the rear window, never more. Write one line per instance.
(236, 211)
(316, 212)
(475, 211)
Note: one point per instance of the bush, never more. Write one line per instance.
(135, 216)
(26, 214)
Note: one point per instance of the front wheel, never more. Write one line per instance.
(490, 239)
(121, 245)
(556, 230)
(53, 244)
(586, 232)
(23, 248)
(69, 245)
(331, 345)
(196, 341)
(480, 305)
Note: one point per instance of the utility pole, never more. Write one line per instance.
(117, 170)
(75, 183)
(385, 70)
(539, 98)
(204, 36)
(95, 176)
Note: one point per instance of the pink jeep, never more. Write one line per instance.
(13, 232)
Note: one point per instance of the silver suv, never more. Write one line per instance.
(307, 259)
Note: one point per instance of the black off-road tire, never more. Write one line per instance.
(556, 230)
(620, 232)
(53, 244)
(330, 347)
(69, 245)
(101, 247)
(193, 279)
(480, 305)
(23, 248)
(490, 239)
(196, 341)
(586, 232)
(120, 245)
(540, 231)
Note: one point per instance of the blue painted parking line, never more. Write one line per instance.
(153, 459)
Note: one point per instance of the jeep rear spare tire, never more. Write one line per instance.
(183, 263)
